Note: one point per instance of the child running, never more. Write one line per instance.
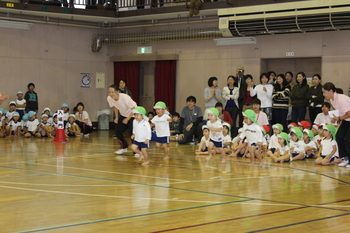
(161, 122)
(141, 134)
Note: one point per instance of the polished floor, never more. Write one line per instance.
(81, 186)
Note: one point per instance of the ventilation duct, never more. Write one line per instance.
(97, 40)
(292, 17)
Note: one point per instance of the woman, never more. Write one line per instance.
(223, 115)
(245, 93)
(272, 77)
(341, 103)
(263, 91)
(123, 89)
(83, 120)
(315, 97)
(280, 96)
(212, 94)
(298, 98)
(230, 94)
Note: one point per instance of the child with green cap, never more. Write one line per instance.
(141, 134)
(254, 135)
(282, 151)
(310, 146)
(297, 145)
(216, 136)
(161, 122)
(329, 147)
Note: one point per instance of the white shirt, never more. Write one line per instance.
(264, 97)
(124, 104)
(327, 147)
(162, 125)
(283, 149)
(226, 95)
(227, 139)
(20, 102)
(83, 116)
(317, 139)
(15, 125)
(9, 115)
(261, 118)
(311, 144)
(322, 119)
(297, 147)
(68, 125)
(215, 135)
(66, 116)
(253, 133)
(206, 141)
(31, 125)
(141, 130)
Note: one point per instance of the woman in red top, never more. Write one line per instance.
(224, 116)
(245, 92)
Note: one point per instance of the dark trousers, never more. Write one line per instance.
(85, 129)
(195, 131)
(280, 116)
(233, 113)
(343, 139)
(313, 111)
(240, 115)
(298, 113)
(120, 128)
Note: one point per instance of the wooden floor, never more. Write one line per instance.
(81, 186)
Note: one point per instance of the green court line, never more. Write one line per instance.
(127, 216)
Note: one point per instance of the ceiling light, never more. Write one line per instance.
(15, 25)
(235, 41)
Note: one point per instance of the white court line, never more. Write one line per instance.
(67, 185)
(119, 173)
(108, 196)
(281, 204)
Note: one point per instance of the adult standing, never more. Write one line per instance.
(341, 103)
(230, 94)
(263, 91)
(247, 97)
(190, 118)
(223, 115)
(298, 98)
(123, 88)
(123, 104)
(240, 83)
(289, 77)
(212, 93)
(31, 98)
(315, 97)
(280, 96)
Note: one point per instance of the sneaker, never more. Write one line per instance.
(348, 166)
(343, 164)
(86, 135)
(137, 155)
(114, 136)
(120, 151)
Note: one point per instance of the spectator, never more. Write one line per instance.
(298, 98)
(315, 97)
(280, 97)
(230, 94)
(223, 115)
(240, 83)
(247, 97)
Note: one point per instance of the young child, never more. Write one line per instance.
(324, 117)
(260, 116)
(297, 146)
(14, 128)
(31, 128)
(273, 144)
(45, 126)
(20, 104)
(239, 146)
(31, 98)
(2, 123)
(150, 116)
(161, 123)
(141, 134)
(318, 136)
(329, 147)
(204, 143)
(227, 141)
(291, 125)
(216, 135)
(281, 154)
(265, 129)
(310, 146)
(12, 109)
(175, 126)
(72, 129)
(47, 111)
(65, 109)
(54, 124)
(252, 132)
(304, 125)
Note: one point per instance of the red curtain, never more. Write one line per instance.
(130, 72)
(164, 83)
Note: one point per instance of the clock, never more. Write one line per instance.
(86, 80)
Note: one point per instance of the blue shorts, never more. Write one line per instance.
(331, 159)
(140, 144)
(217, 144)
(295, 154)
(206, 149)
(162, 140)
(240, 154)
(256, 146)
(273, 150)
(310, 156)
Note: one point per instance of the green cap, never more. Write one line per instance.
(213, 111)
(331, 128)
(284, 136)
(297, 131)
(278, 126)
(160, 104)
(139, 109)
(250, 114)
(309, 133)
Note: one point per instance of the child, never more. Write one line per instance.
(329, 148)
(318, 136)
(15, 125)
(161, 122)
(20, 104)
(297, 146)
(65, 109)
(12, 109)
(150, 116)
(310, 146)
(281, 154)
(204, 143)
(273, 144)
(32, 126)
(227, 138)
(31, 98)
(2, 123)
(141, 134)
(260, 116)
(239, 146)
(45, 126)
(47, 111)
(265, 129)
(216, 135)
(175, 126)
(54, 124)
(324, 117)
(252, 131)
(72, 129)
(83, 119)
(304, 125)
(291, 125)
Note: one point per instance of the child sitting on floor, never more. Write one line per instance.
(282, 151)
(204, 143)
(329, 147)
(239, 145)
(310, 146)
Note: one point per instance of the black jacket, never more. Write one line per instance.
(319, 99)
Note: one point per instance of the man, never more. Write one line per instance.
(191, 117)
(240, 83)
(123, 104)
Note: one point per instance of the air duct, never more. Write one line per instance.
(98, 40)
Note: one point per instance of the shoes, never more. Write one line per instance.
(114, 136)
(121, 151)
(343, 164)
(86, 135)
(137, 155)
(348, 166)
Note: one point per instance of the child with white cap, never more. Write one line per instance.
(12, 109)
(31, 128)
(216, 135)
(161, 122)
(141, 134)
(72, 129)
(47, 111)
(204, 143)
(14, 128)
(45, 126)
(21, 104)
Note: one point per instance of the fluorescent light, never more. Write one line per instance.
(15, 25)
(235, 41)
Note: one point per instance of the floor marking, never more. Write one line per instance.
(67, 185)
